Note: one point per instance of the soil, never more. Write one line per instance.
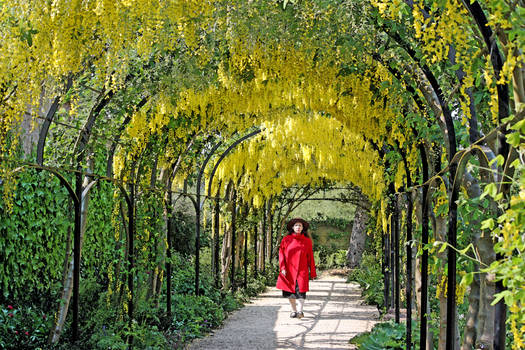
(333, 313)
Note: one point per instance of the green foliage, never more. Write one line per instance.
(183, 278)
(23, 328)
(255, 286)
(229, 303)
(33, 239)
(194, 316)
(508, 233)
(144, 336)
(387, 335)
(370, 278)
(320, 211)
(325, 259)
(184, 233)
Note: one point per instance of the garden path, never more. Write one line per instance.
(334, 313)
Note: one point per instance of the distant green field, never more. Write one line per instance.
(315, 209)
(324, 213)
(330, 237)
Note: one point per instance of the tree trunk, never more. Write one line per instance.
(472, 330)
(268, 236)
(226, 256)
(239, 251)
(260, 247)
(357, 238)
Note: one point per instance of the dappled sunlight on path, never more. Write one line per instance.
(333, 311)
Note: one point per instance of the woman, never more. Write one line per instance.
(296, 257)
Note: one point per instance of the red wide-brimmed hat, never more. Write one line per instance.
(292, 222)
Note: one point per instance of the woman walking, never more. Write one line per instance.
(296, 265)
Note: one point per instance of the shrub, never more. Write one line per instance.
(144, 336)
(329, 258)
(370, 278)
(255, 286)
(387, 335)
(23, 328)
(336, 259)
(229, 303)
(194, 316)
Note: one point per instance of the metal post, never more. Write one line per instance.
(392, 267)
(270, 233)
(245, 260)
(197, 238)
(451, 263)
(131, 254)
(76, 254)
(264, 239)
(424, 258)
(386, 270)
(499, 319)
(168, 255)
(256, 272)
(234, 223)
(397, 273)
(409, 271)
(216, 226)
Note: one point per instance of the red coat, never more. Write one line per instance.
(296, 256)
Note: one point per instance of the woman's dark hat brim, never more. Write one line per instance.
(292, 222)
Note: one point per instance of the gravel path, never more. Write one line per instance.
(333, 311)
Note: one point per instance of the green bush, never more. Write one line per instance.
(144, 336)
(370, 278)
(183, 278)
(387, 335)
(23, 328)
(194, 316)
(329, 258)
(336, 259)
(255, 286)
(229, 303)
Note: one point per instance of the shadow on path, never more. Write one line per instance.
(334, 313)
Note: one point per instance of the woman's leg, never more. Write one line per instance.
(292, 304)
(300, 301)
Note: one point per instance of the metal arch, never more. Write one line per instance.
(225, 153)
(201, 171)
(424, 258)
(124, 192)
(198, 206)
(408, 287)
(483, 157)
(47, 123)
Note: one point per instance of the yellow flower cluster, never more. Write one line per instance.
(45, 42)
(297, 150)
(448, 25)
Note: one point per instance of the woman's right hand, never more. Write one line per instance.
(283, 271)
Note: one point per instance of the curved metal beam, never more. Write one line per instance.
(63, 181)
(225, 153)
(47, 123)
(198, 206)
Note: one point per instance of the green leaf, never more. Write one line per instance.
(513, 139)
(516, 163)
(505, 294)
(467, 279)
(519, 126)
(490, 190)
(499, 160)
(487, 224)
